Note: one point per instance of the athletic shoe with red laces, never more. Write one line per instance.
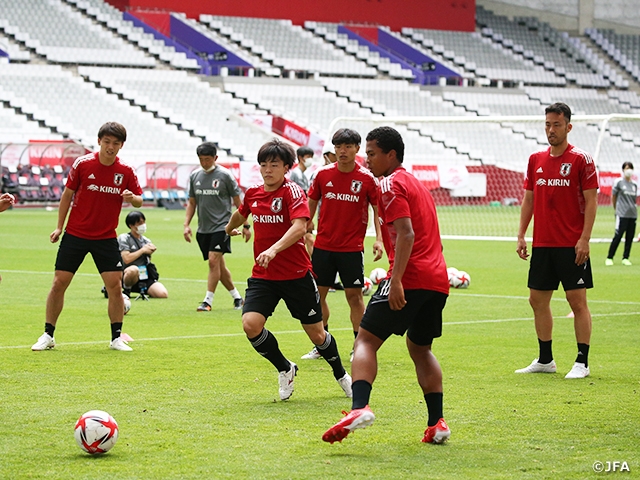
(358, 418)
(439, 433)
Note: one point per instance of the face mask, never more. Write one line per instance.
(210, 169)
(142, 229)
(628, 173)
(308, 162)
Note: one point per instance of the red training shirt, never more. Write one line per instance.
(97, 201)
(344, 216)
(558, 202)
(272, 213)
(403, 196)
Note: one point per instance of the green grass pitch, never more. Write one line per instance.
(194, 400)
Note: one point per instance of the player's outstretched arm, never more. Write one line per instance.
(232, 229)
(295, 232)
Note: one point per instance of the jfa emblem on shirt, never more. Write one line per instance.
(117, 179)
(356, 186)
(565, 169)
(215, 183)
(276, 205)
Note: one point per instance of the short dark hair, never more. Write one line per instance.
(559, 108)
(388, 139)
(304, 152)
(277, 149)
(627, 165)
(134, 217)
(346, 136)
(207, 149)
(113, 129)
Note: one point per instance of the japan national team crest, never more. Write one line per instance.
(117, 179)
(565, 169)
(356, 186)
(276, 204)
(215, 183)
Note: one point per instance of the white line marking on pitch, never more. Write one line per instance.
(287, 332)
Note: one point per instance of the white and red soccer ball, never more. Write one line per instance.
(458, 278)
(96, 432)
(377, 275)
(367, 286)
(127, 303)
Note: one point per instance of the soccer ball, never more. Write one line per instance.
(377, 275)
(460, 280)
(96, 432)
(367, 287)
(127, 303)
(452, 272)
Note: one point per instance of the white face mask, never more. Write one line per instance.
(142, 229)
(628, 173)
(308, 162)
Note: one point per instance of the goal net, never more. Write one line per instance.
(474, 166)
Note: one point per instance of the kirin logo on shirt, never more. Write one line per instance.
(215, 183)
(117, 179)
(356, 186)
(276, 204)
(565, 169)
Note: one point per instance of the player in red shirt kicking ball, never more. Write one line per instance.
(97, 185)
(411, 299)
(282, 270)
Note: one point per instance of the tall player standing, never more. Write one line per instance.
(97, 184)
(346, 190)
(561, 194)
(411, 299)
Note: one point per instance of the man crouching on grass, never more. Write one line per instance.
(282, 268)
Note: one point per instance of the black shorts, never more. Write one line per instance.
(300, 295)
(420, 318)
(218, 242)
(551, 265)
(153, 275)
(72, 250)
(350, 266)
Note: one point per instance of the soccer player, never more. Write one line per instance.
(298, 175)
(561, 195)
(282, 267)
(413, 295)
(346, 190)
(140, 273)
(212, 190)
(97, 185)
(623, 196)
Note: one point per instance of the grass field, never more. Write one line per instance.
(194, 400)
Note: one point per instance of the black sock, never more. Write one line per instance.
(545, 352)
(329, 351)
(326, 327)
(116, 330)
(434, 407)
(583, 354)
(355, 334)
(267, 346)
(361, 393)
(48, 328)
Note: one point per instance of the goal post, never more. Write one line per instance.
(488, 155)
